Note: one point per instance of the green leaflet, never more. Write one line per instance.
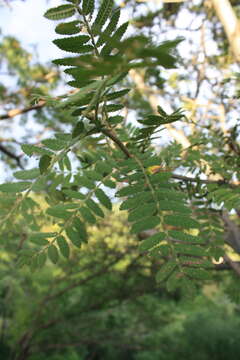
(103, 199)
(95, 208)
(74, 194)
(81, 93)
(87, 215)
(41, 258)
(142, 211)
(110, 28)
(103, 167)
(67, 163)
(80, 228)
(63, 246)
(60, 12)
(188, 288)
(169, 194)
(169, 205)
(69, 61)
(34, 237)
(151, 241)
(78, 129)
(53, 254)
(84, 181)
(102, 16)
(109, 183)
(174, 280)
(69, 28)
(114, 40)
(145, 224)
(32, 149)
(181, 221)
(27, 174)
(179, 235)
(44, 163)
(166, 270)
(117, 94)
(197, 273)
(113, 107)
(133, 202)
(39, 241)
(117, 78)
(93, 175)
(114, 120)
(196, 262)
(72, 44)
(161, 177)
(58, 213)
(190, 250)
(54, 144)
(15, 187)
(87, 7)
(74, 237)
(130, 190)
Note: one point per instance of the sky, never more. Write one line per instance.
(26, 22)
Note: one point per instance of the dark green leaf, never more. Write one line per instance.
(15, 187)
(44, 163)
(151, 241)
(72, 44)
(87, 7)
(27, 174)
(69, 28)
(166, 270)
(103, 199)
(63, 246)
(53, 254)
(87, 215)
(145, 224)
(78, 129)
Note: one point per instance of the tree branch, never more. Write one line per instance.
(11, 155)
(230, 23)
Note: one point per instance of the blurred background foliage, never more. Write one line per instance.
(103, 303)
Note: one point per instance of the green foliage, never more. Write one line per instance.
(117, 161)
(60, 12)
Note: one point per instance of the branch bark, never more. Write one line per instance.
(230, 23)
